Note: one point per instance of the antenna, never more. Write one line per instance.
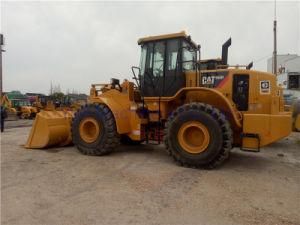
(275, 41)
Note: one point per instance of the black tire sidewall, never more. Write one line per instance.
(97, 114)
(215, 132)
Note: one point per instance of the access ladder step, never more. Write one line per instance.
(251, 135)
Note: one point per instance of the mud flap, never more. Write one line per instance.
(50, 128)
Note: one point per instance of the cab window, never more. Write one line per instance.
(172, 54)
(143, 58)
(188, 57)
(149, 59)
(158, 59)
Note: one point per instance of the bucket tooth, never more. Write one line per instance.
(50, 128)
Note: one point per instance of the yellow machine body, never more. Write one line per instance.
(264, 115)
(123, 106)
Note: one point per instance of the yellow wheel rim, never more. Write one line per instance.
(89, 130)
(193, 137)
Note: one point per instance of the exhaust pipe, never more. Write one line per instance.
(225, 47)
(250, 65)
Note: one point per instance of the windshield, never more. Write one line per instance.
(162, 66)
(160, 57)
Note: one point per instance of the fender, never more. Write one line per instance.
(208, 96)
(218, 100)
(119, 104)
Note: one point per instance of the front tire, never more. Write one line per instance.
(198, 135)
(94, 130)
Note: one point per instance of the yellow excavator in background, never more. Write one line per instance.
(32, 111)
(200, 109)
(43, 103)
(26, 111)
(47, 103)
(11, 111)
(18, 108)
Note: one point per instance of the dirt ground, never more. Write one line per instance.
(18, 123)
(142, 185)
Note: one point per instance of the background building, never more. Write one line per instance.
(288, 72)
(17, 99)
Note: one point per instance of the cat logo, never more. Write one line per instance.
(212, 79)
(265, 87)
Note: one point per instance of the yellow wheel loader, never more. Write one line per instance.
(200, 109)
(26, 112)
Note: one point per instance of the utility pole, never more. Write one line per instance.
(1, 83)
(275, 42)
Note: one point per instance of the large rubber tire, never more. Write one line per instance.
(108, 138)
(296, 108)
(220, 141)
(296, 114)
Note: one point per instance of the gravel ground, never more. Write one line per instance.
(142, 185)
(18, 123)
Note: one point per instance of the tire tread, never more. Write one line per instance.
(112, 137)
(222, 156)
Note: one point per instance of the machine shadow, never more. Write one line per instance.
(141, 148)
(59, 149)
(246, 161)
(239, 161)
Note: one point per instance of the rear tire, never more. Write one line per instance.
(214, 125)
(296, 114)
(94, 130)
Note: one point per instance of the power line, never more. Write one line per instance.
(262, 58)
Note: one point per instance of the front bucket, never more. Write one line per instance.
(50, 128)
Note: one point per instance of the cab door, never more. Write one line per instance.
(173, 80)
(152, 81)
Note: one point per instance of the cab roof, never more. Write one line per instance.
(181, 34)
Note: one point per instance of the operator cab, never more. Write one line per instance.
(164, 61)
